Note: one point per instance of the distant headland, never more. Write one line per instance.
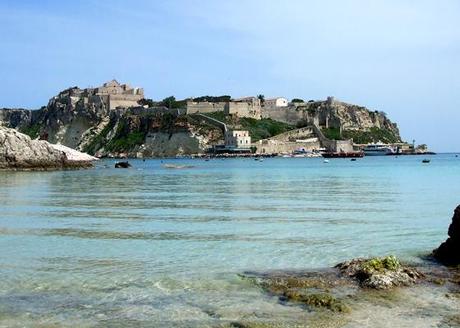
(117, 120)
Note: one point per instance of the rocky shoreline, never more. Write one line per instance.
(343, 289)
(19, 152)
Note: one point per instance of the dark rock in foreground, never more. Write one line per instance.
(449, 251)
(19, 152)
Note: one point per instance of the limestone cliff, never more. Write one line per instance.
(339, 118)
(85, 121)
(19, 151)
(90, 126)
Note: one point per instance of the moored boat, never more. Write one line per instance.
(378, 150)
(351, 154)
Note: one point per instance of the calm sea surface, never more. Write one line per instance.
(163, 247)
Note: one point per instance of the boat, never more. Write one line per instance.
(378, 150)
(177, 166)
(426, 160)
(342, 154)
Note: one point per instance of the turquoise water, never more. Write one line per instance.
(164, 247)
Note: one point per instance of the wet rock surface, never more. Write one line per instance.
(448, 252)
(380, 273)
(335, 289)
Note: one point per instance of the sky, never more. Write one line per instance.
(397, 56)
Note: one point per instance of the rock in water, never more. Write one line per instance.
(449, 251)
(18, 151)
(379, 273)
(122, 165)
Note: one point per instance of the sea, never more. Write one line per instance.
(166, 246)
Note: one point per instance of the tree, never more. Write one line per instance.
(261, 98)
(169, 102)
(297, 100)
(147, 101)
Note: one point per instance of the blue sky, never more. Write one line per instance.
(397, 56)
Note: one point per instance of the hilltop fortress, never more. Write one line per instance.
(116, 117)
(109, 96)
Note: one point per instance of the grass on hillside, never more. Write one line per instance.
(258, 129)
(362, 137)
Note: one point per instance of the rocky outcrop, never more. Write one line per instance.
(332, 289)
(19, 151)
(449, 251)
(379, 273)
(353, 121)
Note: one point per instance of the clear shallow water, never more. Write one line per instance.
(164, 247)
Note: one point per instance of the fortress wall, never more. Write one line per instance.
(123, 101)
(271, 146)
(244, 109)
(288, 115)
(298, 134)
(205, 107)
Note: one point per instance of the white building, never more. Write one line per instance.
(276, 102)
(237, 139)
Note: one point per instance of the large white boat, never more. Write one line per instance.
(378, 150)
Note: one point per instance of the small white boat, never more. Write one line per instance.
(326, 161)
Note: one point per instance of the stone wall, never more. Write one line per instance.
(206, 107)
(123, 100)
(240, 108)
(290, 115)
(267, 146)
(245, 109)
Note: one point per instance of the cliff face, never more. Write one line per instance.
(350, 120)
(18, 151)
(71, 121)
(84, 122)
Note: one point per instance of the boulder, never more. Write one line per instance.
(448, 252)
(19, 152)
(122, 165)
(379, 273)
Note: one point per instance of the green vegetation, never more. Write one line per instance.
(147, 101)
(98, 141)
(332, 133)
(32, 131)
(258, 129)
(319, 300)
(225, 98)
(362, 137)
(374, 135)
(297, 100)
(380, 264)
(172, 103)
(261, 98)
(125, 140)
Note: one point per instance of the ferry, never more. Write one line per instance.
(378, 150)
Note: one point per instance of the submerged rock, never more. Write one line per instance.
(19, 152)
(321, 290)
(379, 273)
(122, 165)
(449, 251)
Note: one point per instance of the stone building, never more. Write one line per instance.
(237, 139)
(109, 96)
(114, 94)
(276, 102)
(242, 107)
